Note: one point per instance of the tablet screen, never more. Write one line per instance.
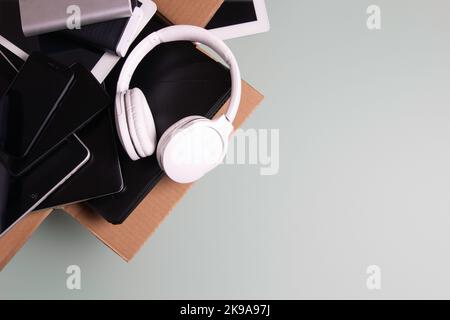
(20, 195)
(233, 12)
(102, 175)
(240, 18)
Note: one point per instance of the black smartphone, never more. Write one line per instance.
(83, 101)
(30, 101)
(21, 195)
(102, 175)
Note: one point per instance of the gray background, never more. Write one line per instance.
(364, 119)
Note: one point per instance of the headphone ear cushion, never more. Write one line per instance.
(140, 123)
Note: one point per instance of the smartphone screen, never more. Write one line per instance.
(20, 195)
(30, 101)
(82, 102)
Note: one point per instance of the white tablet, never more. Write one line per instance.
(240, 18)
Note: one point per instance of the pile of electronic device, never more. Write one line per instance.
(71, 130)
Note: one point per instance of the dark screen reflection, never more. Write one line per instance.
(30, 101)
(233, 12)
(19, 195)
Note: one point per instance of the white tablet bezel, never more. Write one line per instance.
(249, 28)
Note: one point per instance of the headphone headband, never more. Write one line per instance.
(184, 33)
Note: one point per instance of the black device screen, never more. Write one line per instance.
(233, 12)
(19, 195)
(30, 101)
(102, 175)
(83, 101)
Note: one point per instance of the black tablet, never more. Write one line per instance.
(21, 195)
(102, 175)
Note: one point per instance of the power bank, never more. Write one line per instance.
(82, 102)
(29, 103)
(21, 195)
(44, 16)
(101, 175)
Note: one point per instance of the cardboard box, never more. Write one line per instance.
(126, 239)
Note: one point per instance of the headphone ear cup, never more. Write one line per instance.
(193, 147)
(165, 138)
(122, 126)
(140, 123)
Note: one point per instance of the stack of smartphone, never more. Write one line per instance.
(54, 126)
(58, 141)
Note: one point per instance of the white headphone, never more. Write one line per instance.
(192, 146)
